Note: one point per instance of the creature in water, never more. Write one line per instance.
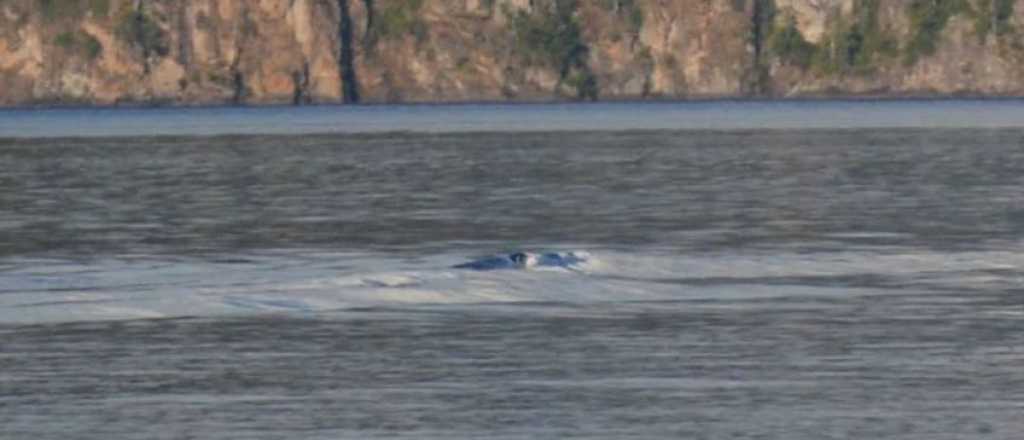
(525, 260)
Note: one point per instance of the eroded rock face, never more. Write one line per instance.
(291, 51)
(965, 60)
(699, 48)
(812, 16)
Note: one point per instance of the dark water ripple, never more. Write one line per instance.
(793, 369)
(683, 190)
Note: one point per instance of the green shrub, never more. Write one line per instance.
(399, 18)
(927, 20)
(983, 19)
(79, 42)
(636, 18)
(585, 84)
(852, 45)
(54, 10)
(550, 36)
(1004, 12)
(993, 15)
(91, 46)
(138, 29)
(789, 44)
(861, 38)
(864, 40)
(65, 40)
(218, 78)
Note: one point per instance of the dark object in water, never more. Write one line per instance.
(524, 260)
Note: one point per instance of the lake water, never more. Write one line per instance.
(709, 115)
(797, 270)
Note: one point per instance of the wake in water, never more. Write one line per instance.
(309, 283)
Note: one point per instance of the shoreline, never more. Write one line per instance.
(116, 139)
(858, 98)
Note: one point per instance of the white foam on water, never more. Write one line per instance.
(325, 283)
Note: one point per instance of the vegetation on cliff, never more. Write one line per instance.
(79, 43)
(927, 20)
(852, 44)
(394, 20)
(138, 29)
(53, 10)
(550, 36)
(789, 44)
(858, 44)
(993, 16)
(630, 9)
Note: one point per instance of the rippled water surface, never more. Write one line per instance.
(742, 282)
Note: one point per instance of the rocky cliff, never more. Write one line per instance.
(312, 51)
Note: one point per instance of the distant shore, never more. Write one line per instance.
(909, 97)
(121, 53)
